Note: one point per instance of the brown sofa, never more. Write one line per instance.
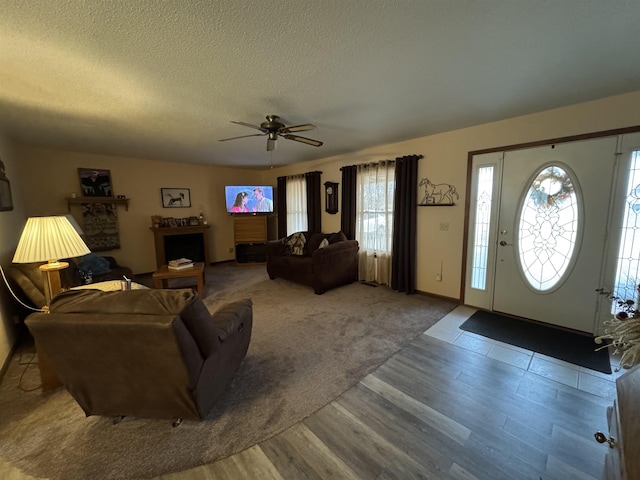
(28, 277)
(322, 268)
(143, 353)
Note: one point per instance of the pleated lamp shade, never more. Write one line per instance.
(47, 239)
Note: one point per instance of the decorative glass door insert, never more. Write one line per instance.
(548, 228)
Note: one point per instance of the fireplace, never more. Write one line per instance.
(189, 242)
(190, 245)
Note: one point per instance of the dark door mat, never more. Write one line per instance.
(561, 344)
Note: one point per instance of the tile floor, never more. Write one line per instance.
(597, 383)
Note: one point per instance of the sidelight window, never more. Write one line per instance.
(628, 259)
(482, 226)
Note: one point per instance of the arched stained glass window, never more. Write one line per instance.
(548, 228)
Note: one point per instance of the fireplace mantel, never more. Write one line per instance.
(161, 232)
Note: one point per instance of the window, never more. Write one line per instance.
(482, 226)
(374, 220)
(628, 259)
(296, 204)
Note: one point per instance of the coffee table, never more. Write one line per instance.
(162, 276)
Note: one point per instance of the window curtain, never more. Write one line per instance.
(296, 204)
(403, 264)
(282, 207)
(348, 202)
(314, 206)
(375, 186)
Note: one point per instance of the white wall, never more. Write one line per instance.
(445, 161)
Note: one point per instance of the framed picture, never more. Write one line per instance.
(175, 197)
(171, 222)
(193, 221)
(95, 182)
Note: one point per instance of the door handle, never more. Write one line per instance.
(504, 243)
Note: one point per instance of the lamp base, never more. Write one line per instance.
(52, 284)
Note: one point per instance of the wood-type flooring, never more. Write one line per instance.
(435, 411)
(432, 411)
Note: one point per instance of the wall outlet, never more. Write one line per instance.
(438, 277)
(230, 249)
(444, 226)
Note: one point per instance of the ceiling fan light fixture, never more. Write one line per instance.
(273, 127)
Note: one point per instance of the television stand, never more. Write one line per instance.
(250, 238)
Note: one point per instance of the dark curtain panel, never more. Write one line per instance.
(314, 202)
(348, 215)
(282, 207)
(405, 207)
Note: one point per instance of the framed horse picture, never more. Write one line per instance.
(175, 197)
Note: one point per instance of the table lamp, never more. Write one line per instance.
(49, 239)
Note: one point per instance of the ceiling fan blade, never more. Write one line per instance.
(298, 128)
(308, 141)
(243, 136)
(271, 145)
(249, 125)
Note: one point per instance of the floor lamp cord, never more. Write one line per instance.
(17, 299)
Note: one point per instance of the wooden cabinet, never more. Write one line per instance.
(622, 461)
(250, 237)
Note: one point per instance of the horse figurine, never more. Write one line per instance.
(444, 191)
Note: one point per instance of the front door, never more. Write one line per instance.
(552, 206)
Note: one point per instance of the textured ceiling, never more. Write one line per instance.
(163, 79)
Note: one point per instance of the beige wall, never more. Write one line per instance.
(11, 223)
(53, 175)
(445, 161)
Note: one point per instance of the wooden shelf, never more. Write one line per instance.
(80, 200)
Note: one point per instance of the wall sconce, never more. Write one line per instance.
(331, 197)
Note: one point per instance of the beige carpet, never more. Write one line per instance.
(306, 349)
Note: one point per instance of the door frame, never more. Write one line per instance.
(518, 146)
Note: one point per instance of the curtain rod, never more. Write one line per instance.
(375, 163)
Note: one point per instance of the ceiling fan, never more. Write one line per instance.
(273, 127)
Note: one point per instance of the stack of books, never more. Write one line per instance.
(180, 264)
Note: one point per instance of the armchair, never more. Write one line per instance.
(143, 353)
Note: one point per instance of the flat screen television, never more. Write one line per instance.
(252, 199)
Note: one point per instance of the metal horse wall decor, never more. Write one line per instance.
(437, 194)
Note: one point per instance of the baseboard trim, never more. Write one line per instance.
(441, 297)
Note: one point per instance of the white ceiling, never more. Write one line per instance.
(163, 79)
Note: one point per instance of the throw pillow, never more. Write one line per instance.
(93, 263)
(313, 242)
(337, 237)
(296, 242)
(323, 243)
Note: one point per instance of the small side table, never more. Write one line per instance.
(162, 276)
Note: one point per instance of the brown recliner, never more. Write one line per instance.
(143, 353)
